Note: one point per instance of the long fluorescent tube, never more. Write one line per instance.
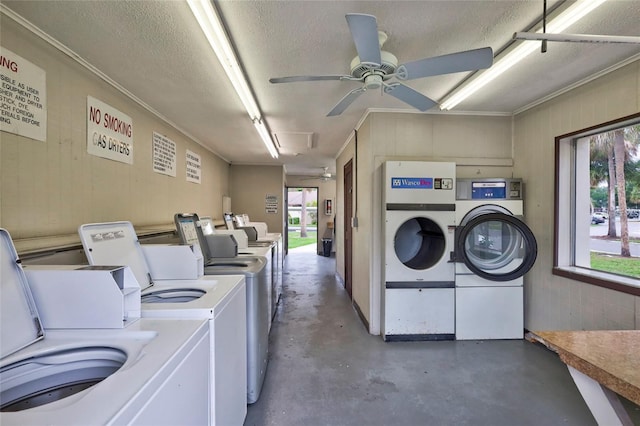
(264, 134)
(212, 28)
(581, 38)
(570, 16)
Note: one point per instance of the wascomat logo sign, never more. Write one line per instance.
(411, 183)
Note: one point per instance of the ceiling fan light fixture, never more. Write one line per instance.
(373, 81)
(212, 27)
(571, 15)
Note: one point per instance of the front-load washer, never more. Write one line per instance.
(136, 374)
(418, 237)
(494, 249)
(259, 291)
(221, 300)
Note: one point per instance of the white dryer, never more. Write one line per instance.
(221, 300)
(419, 223)
(136, 374)
(494, 249)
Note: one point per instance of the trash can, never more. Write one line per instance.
(326, 247)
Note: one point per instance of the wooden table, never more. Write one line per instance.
(602, 364)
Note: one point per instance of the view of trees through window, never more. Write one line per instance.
(614, 175)
(302, 213)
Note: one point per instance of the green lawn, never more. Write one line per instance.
(296, 241)
(629, 266)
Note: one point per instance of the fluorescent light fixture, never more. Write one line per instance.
(212, 28)
(571, 15)
(581, 38)
(264, 134)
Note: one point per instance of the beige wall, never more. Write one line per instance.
(50, 188)
(326, 190)
(248, 188)
(479, 145)
(553, 302)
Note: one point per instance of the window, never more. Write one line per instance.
(597, 205)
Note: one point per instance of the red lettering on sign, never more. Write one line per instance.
(94, 115)
(8, 63)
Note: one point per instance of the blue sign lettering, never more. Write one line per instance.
(411, 183)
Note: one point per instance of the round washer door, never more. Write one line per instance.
(419, 243)
(497, 246)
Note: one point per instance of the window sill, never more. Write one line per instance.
(602, 279)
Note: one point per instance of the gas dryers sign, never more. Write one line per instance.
(411, 183)
(109, 132)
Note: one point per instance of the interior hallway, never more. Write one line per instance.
(325, 369)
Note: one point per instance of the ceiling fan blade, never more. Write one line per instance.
(409, 96)
(296, 78)
(469, 60)
(346, 101)
(364, 30)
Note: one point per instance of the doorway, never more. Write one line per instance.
(302, 218)
(348, 232)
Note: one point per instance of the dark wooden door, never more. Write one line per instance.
(348, 234)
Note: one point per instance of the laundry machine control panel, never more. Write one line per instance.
(419, 182)
(489, 189)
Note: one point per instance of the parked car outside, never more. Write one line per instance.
(597, 218)
(633, 214)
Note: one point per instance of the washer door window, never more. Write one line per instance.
(497, 247)
(419, 243)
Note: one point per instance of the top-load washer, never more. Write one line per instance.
(273, 240)
(494, 249)
(258, 299)
(221, 300)
(419, 223)
(272, 253)
(135, 374)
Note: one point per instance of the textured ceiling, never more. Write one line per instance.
(156, 51)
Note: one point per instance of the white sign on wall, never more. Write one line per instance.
(109, 132)
(193, 167)
(271, 204)
(23, 97)
(164, 155)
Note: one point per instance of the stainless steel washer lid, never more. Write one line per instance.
(19, 321)
(247, 265)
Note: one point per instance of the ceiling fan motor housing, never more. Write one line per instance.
(388, 66)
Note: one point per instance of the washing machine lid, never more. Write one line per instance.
(495, 245)
(190, 231)
(247, 265)
(115, 243)
(19, 321)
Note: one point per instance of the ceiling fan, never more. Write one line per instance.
(375, 67)
(324, 176)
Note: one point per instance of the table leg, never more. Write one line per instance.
(603, 403)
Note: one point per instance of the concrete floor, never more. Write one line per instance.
(325, 369)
